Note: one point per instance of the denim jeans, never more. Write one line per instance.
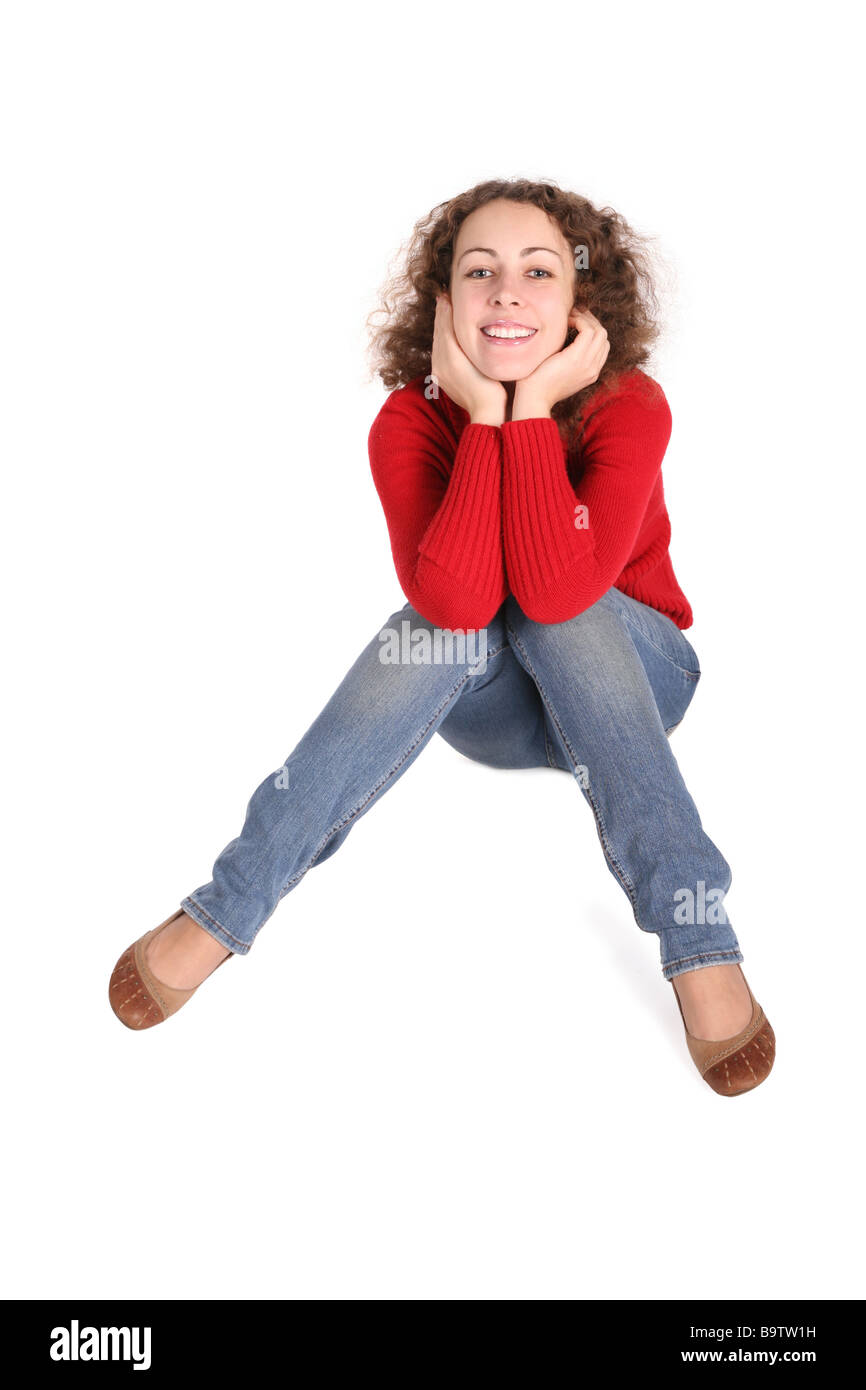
(595, 697)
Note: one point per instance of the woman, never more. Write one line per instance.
(521, 482)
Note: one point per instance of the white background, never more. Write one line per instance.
(450, 1067)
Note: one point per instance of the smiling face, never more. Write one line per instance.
(513, 274)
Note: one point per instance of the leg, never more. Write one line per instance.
(501, 720)
(371, 730)
(603, 709)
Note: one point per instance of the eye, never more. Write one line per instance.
(482, 270)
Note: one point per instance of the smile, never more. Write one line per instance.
(509, 336)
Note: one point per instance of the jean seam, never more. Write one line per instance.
(549, 749)
(356, 810)
(701, 955)
(204, 912)
(619, 871)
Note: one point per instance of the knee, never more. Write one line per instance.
(598, 616)
(591, 646)
(408, 629)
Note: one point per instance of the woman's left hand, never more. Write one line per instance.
(565, 372)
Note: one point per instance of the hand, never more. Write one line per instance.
(460, 378)
(565, 372)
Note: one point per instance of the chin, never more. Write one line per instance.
(484, 366)
(521, 375)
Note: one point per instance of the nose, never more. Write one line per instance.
(507, 293)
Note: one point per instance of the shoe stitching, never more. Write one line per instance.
(738, 1045)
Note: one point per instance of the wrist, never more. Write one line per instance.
(486, 416)
(488, 412)
(529, 405)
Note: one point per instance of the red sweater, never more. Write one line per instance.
(476, 512)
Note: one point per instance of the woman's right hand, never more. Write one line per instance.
(484, 398)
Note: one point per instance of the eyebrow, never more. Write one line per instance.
(488, 251)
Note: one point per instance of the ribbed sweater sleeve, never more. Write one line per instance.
(443, 510)
(556, 568)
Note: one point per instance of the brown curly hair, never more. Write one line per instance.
(618, 287)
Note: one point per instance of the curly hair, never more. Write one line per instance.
(617, 286)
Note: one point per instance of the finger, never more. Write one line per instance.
(589, 319)
(602, 356)
(587, 333)
(593, 337)
(586, 324)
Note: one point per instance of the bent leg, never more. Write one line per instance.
(371, 730)
(667, 656)
(500, 720)
(603, 711)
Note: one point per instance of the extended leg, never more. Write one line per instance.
(371, 730)
(601, 705)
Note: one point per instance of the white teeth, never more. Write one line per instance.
(496, 332)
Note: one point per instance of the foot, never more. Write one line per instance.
(183, 954)
(715, 1001)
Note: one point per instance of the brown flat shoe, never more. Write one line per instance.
(734, 1065)
(138, 998)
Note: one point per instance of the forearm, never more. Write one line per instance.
(458, 574)
(549, 557)
(442, 498)
(566, 545)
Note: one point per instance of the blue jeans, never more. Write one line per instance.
(596, 697)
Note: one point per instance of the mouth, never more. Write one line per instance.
(507, 333)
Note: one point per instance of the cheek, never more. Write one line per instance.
(468, 341)
(463, 327)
